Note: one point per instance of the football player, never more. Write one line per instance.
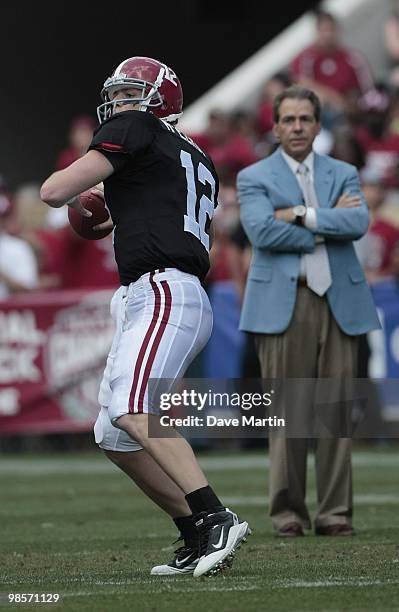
(161, 191)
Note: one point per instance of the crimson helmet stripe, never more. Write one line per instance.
(157, 341)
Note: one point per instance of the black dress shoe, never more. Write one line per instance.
(335, 530)
(290, 530)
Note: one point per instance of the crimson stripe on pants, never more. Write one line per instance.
(157, 341)
(145, 343)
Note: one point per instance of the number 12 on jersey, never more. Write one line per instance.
(206, 205)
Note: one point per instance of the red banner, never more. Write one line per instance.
(53, 348)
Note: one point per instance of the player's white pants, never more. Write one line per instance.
(163, 320)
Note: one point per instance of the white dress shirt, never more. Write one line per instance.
(311, 214)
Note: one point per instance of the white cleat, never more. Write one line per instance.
(221, 534)
(183, 563)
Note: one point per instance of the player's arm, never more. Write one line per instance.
(63, 186)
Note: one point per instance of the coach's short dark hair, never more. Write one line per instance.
(295, 92)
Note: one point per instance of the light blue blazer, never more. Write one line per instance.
(277, 246)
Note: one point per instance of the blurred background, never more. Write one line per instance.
(55, 288)
(54, 61)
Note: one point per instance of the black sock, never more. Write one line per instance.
(204, 500)
(187, 528)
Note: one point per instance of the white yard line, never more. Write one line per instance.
(360, 500)
(194, 587)
(232, 501)
(165, 585)
(69, 464)
(297, 584)
(180, 585)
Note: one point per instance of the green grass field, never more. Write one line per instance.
(75, 525)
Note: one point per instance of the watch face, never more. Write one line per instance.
(300, 210)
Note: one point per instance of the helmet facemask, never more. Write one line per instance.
(150, 98)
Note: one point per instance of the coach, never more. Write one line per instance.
(306, 298)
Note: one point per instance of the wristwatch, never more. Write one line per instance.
(299, 212)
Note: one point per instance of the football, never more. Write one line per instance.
(83, 226)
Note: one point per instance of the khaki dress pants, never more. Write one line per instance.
(313, 346)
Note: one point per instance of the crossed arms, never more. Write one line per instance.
(274, 230)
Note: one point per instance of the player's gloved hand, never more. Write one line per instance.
(77, 205)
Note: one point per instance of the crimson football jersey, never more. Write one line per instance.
(161, 196)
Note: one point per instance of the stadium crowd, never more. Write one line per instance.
(360, 124)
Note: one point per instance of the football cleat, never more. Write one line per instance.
(184, 562)
(221, 534)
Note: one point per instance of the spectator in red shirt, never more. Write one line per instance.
(80, 134)
(391, 40)
(375, 136)
(335, 73)
(78, 263)
(375, 249)
(225, 220)
(79, 137)
(229, 150)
